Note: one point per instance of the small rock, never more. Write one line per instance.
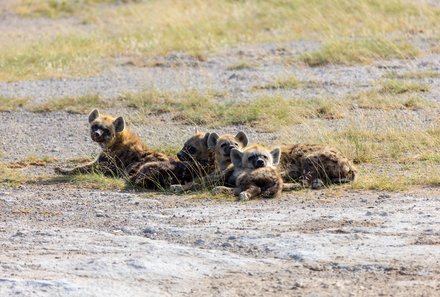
(368, 213)
(226, 245)
(199, 242)
(232, 237)
(100, 213)
(150, 230)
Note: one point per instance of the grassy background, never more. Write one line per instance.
(352, 31)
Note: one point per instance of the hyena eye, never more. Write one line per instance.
(250, 158)
(223, 145)
(236, 144)
(264, 157)
(192, 150)
(106, 131)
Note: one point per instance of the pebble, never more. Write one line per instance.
(199, 242)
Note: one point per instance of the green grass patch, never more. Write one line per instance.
(358, 52)
(9, 177)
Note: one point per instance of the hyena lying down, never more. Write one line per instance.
(220, 147)
(313, 165)
(122, 151)
(195, 161)
(253, 173)
(301, 165)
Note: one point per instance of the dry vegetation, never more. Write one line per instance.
(199, 27)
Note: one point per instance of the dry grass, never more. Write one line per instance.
(395, 87)
(242, 65)
(412, 74)
(80, 104)
(33, 161)
(95, 181)
(9, 177)
(152, 28)
(11, 104)
(362, 51)
(377, 100)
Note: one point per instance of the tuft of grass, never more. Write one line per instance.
(241, 65)
(288, 82)
(395, 87)
(95, 181)
(11, 104)
(9, 177)
(411, 74)
(80, 104)
(33, 161)
(358, 52)
(377, 100)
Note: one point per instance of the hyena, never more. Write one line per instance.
(222, 146)
(314, 166)
(195, 161)
(122, 151)
(254, 173)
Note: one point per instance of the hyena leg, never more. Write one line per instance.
(251, 192)
(317, 184)
(341, 180)
(223, 190)
(292, 186)
(88, 168)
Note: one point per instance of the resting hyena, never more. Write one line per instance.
(222, 146)
(122, 151)
(254, 173)
(195, 161)
(314, 165)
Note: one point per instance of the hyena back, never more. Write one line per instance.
(195, 161)
(315, 165)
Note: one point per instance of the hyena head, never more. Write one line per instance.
(196, 149)
(222, 146)
(255, 156)
(104, 128)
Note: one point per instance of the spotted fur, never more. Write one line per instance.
(122, 151)
(315, 165)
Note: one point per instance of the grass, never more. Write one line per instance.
(363, 51)
(377, 100)
(287, 82)
(151, 28)
(395, 87)
(242, 65)
(412, 74)
(95, 181)
(11, 104)
(9, 177)
(33, 161)
(80, 104)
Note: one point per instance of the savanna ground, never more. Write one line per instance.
(363, 76)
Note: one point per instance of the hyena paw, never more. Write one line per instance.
(317, 184)
(244, 196)
(177, 189)
(222, 190)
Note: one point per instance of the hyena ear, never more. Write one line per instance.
(212, 140)
(93, 115)
(119, 124)
(236, 156)
(242, 137)
(276, 154)
(205, 139)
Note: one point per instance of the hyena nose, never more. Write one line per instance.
(259, 163)
(98, 133)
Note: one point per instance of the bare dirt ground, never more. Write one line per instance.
(61, 239)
